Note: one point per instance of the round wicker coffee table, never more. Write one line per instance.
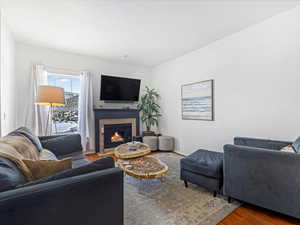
(123, 151)
(146, 167)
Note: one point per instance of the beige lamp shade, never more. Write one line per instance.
(50, 95)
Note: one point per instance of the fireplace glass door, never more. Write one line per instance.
(116, 134)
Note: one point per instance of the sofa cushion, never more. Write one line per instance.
(10, 175)
(63, 145)
(288, 148)
(47, 155)
(78, 159)
(25, 132)
(46, 168)
(100, 164)
(296, 145)
(204, 162)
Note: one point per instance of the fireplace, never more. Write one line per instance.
(114, 127)
(116, 134)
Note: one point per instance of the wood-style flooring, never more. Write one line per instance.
(251, 215)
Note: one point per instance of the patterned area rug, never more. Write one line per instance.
(168, 202)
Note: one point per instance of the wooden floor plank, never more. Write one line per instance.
(247, 214)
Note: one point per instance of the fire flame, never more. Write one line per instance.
(117, 137)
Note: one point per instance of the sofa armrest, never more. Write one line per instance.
(94, 198)
(62, 144)
(263, 177)
(261, 143)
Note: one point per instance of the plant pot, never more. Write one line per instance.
(148, 133)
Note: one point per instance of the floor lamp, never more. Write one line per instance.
(50, 96)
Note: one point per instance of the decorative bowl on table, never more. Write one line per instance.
(133, 146)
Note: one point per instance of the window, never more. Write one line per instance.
(65, 118)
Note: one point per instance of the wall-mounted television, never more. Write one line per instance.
(119, 89)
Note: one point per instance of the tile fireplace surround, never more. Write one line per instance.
(114, 116)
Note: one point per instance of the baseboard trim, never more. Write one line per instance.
(179, 153)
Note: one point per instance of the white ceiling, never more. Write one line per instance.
(149, 32)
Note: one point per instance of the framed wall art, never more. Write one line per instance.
(197, 100)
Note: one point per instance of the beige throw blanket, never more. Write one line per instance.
(17, 148)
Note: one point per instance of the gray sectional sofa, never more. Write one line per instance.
(256, 172)
(89, 194)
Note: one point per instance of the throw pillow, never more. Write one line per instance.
(63, 145)
(10, 175)
(25, 132)
(46, 168)
(47, 155)
(288, 148)
(296, 145)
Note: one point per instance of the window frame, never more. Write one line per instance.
(65, 73)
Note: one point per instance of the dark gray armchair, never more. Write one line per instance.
(257, 173)
(90, 194)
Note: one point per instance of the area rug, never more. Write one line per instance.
(168, 202)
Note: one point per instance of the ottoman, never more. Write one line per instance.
(152, 141)
(165, 143)
(204, 168)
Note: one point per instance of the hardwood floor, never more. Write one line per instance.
(251, 215)
(93, 157)
(246, 214)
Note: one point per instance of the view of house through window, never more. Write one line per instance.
(65, 118)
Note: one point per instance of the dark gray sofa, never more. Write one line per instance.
(256, 172)
(89, 194)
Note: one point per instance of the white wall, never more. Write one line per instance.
(257, 77)
(8, 79)
(27, 55)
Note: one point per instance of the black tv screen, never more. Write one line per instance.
(119, 89)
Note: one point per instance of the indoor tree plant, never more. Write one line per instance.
(150, 110)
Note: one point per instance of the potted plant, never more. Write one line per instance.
(149, 108)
